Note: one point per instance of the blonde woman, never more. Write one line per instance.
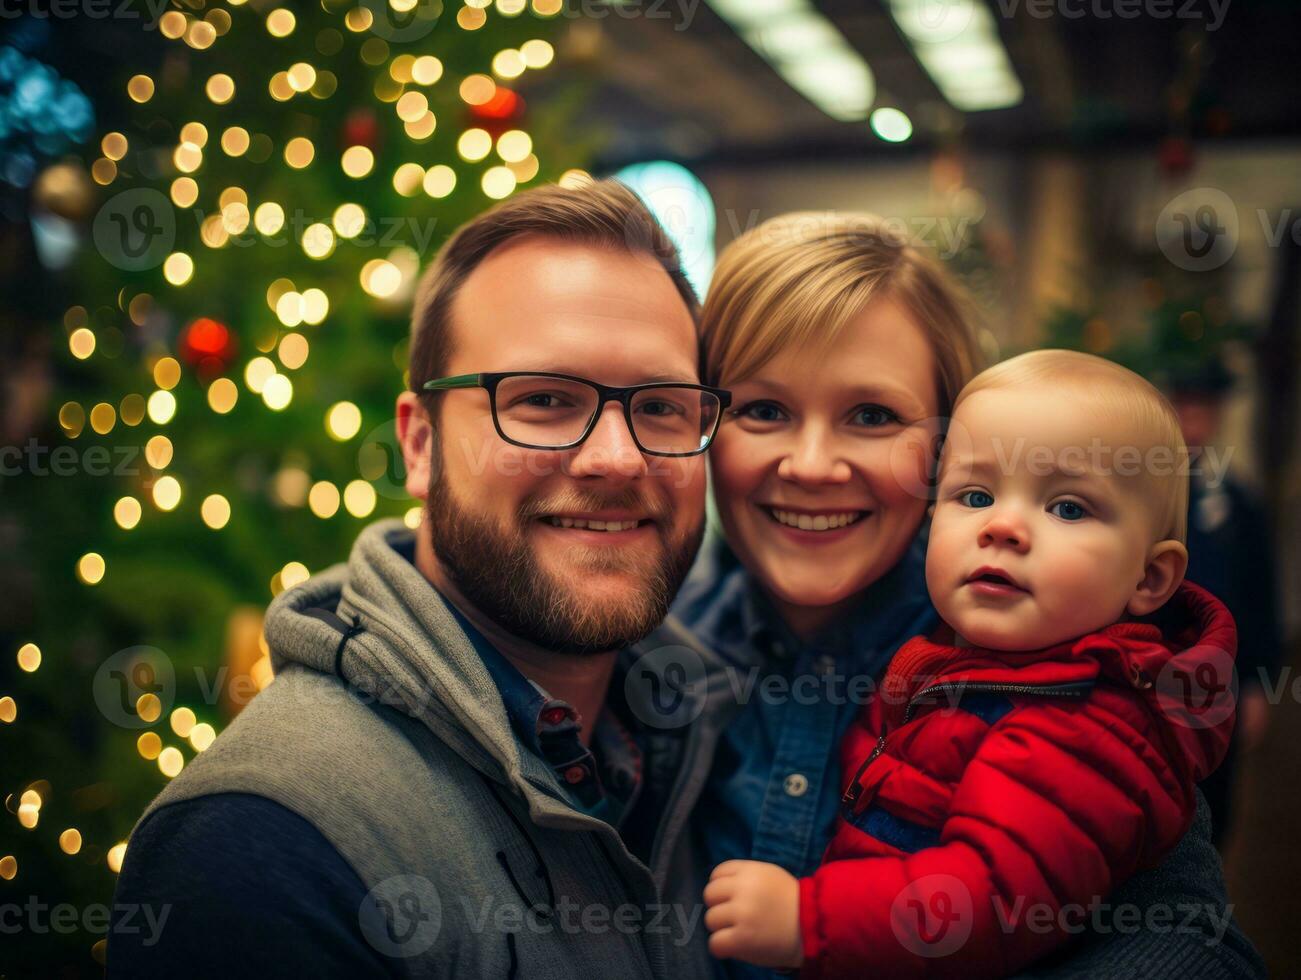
(844, 348)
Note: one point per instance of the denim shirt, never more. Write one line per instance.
(775, 786)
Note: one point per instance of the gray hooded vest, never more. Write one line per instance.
(385, 731)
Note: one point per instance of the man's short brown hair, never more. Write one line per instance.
(603, 212)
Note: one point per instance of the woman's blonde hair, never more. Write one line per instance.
(796, 280)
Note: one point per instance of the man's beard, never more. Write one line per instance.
(498, 571)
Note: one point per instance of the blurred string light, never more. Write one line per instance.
(958, 44)
(807, 50)
(683, 206)
(42, 115)
(892, 125)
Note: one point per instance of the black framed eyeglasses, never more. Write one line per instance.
(542, 410)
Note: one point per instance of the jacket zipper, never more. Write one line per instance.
(1072, 689)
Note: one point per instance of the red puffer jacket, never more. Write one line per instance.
(994, 796)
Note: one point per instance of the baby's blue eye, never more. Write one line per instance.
(977, 498)
(1068, 510)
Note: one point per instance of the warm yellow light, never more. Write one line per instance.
(171, 762)
(269, 218)
(172, 25)
(359, 498)
(407, 179)
(478, 89)
(318, 240)
(302, 76)
(511, 8)
(28, 815)
(235, 218)
(113, 146)
(200, 35)
(167, 373)
(289, 309)
(293, 351)
(514, 145)
(29, 657)
(149, 707)
(140, 88)
(343, 421)
(178, 268)
(280, 22)
(399, 68)
(440, 180)
(412, 518)
(358, 161)
(234, 141)
(183, 721)
(279, 87)
(299, 152)
(161, 407)
(412, 106)
(498, 182)
(116, 854)
(474, 145)
(349, 220)
(8, 714)
(185, 191)
(149, 745)
(426, 70)
(213, 232)
(258, 372)
(167, 493)
(358, 19)
(159, 452)
(294, 573)
(215, 511)
(471, 18)
(323, 499)
(220, 88)
(380, 278)
(422, 128)
(222, 395)
(90, 568)
(103, 171)
(70, 841)
(72, 417)
(132, 409)
(278, 392)
(526, 169)
(127, 513)
(188, 157)
(196, 133)
(202, 736)
(508, 63)
(574, 179)
(537, 53)
(82, 343)
(102, 418)
(315, 305)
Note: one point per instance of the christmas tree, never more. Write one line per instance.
(227, 359)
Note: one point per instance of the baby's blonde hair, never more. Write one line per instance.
(796, 280)
(1124, 394)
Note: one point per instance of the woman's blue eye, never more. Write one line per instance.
(874, 415)
(977, 498)
(760, 412)
(1068, 510)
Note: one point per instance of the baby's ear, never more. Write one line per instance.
(1166, 564)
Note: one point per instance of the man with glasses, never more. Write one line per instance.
(450, 774)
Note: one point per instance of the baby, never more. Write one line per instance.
(1019, 764)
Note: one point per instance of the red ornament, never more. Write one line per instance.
(208, 346)
(361, 129)
(504, 104)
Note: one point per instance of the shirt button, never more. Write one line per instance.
(575, 774)
(797, 784)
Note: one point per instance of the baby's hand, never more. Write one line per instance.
(754, 914)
